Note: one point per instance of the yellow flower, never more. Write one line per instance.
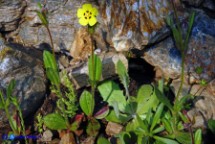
(87, 15)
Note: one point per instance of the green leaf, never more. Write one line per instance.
(165, 140)
(122, 118)
(42, 18)
(93, 127)
(123, 74)
(163, 99)
(211, 125)
(94, 68)
(102, 140)
(87, 103)
(158, 130)
(49, 60)
(10, 88)
(111, 93)
(51, 68)
(144, 93)
(167, 125)
(157, 116)
(146, 101)
(191, 20)
(183, 137)
(55, 121)
(143, 126)
(198, 136)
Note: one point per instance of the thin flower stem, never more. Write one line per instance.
(50, 37)
(93, 68)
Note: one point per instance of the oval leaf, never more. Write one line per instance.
(55, 121)
(87, 103)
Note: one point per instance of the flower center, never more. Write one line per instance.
(87, 15)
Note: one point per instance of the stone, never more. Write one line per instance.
(10, 14)
(113, 128)
(115, 28)
(200, 53)
(63, 24)
(135, 24)
(26, 67)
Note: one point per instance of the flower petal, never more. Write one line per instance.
(87, 7)
(83, 21)
(80, 13)
(92, 21)
(94, 11)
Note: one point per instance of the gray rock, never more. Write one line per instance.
(63, 24)
(135, 24)
(123, 25)
(10, 14)
(79, 75)
(25, 66)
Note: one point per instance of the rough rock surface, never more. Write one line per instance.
(23, 65)
(122, 24)
(10, 14)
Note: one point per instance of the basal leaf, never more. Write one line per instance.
(144, 93)
(165, 140)
(55, 121)
(148, 103)
(122, 118)
(167, 125)
(157, 115)
(111, 93)
(87, 103)
(183, 137)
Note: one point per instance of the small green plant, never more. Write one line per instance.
(150, 116)
(61, 119)
(87, 17)
(15, 120)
